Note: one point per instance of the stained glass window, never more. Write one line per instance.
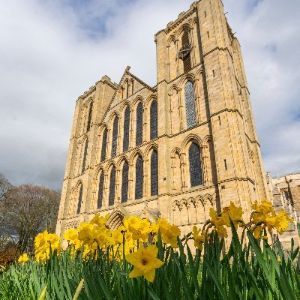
(154, 173)
(90, 117)
(153, 120)
(104, 140)
(139, 124)
(115, 137)
(186, 45)
(139, 178)
(126, 129)
(112, 186)
(190, 104)
(195, 165)
(125, 182)
(79, 199)
(84, 156)
(100, 191)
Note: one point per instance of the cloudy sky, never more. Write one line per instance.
(53, 50)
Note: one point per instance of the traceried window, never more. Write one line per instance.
(190, 106)
(126, 129)
(112, 186)
(195, 165)
(154, 173)
(115, 137)
(100, 191)
(104, 141)
(125, 182)
(139, 178)
(139, 124)
(153, 120)
(84, 158)
(89, 122)
(79, 199)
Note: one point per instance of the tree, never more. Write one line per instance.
(26, 210)
(4, 186)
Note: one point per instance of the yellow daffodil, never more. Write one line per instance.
(44, 244)
(169, 233)
(233, 213)
(145, 262)
(283, 220)
(23, 258)
(218, 223)
(199, 238)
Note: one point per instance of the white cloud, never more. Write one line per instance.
(51, 51)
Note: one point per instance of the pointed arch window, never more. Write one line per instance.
(79, 199)
(89, 122)
(104, 141)
(139, 124)
(124, 192)
(190, 105)
(153, 120)
(112, 186)
(195, 165)
(100, 191)
(126, 129)
(186, 50)
(154, 173)
(84, 158)
(115, 137)
(139, 178)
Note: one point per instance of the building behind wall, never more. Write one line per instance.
(173, 150)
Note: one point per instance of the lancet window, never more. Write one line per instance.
(139, 124)
(190, 105)
(126, 129)
(195, 165)
(153, 120)
(154, 173)
(100, 191)
(115, 137)
(104, 141)
(139, 178)
(84, 158)
(112, 186)
(89, 122)
(124, 192)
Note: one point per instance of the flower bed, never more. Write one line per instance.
(150, 260)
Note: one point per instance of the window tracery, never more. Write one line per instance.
(112, 186)
(124, 193)
(115, 137)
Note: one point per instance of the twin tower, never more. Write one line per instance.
(173, 150)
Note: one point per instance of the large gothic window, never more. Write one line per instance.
(100, 191)
(126, 129)
(112, 186)
(153, 120)
(186, 48)
(84, 158)
(115, 137)
(89, 122)
(104, 141)
(139, 178)
(79, 199)
(125, 182)
(154, 173)
(195, 165)
(190, 106)
(139, 124)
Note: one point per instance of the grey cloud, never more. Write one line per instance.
(50, 53)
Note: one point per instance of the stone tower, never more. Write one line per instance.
(173, 150)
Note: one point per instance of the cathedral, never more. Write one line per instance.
(172, 150)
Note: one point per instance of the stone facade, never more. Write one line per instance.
(173, 150)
